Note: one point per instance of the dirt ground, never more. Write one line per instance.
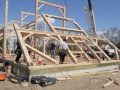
(86, 82)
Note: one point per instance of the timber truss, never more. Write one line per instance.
(77, 39)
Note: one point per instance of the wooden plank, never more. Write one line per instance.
(115, 81)
(92, 45)
(44, 33)
(78, 41)
(22, 44)
(116, 49)
(36, 14)
(47, 21)
(5, 29)
(50, 4)
(29, 24)
(116, 52)
(112, 61)
(42, 54)
(53, 37)
(64, 12)
(88, 59)
(79, 27)
(111, 81)
(67, 29)
(31, 14)
(103, 53)
(27, 36)
(93, 52)
(107, 84)
(77, 52)
(98, 52)
(98, 48)
(58, 17)
(71, 44)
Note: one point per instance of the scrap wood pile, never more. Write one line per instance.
(111, 81)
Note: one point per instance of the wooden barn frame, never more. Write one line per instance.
(78, 40)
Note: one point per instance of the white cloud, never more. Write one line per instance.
(41, 20)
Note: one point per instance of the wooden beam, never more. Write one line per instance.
(115, 80)
(88, 59)
(47, 21)
(71, 55)
(42, 54)
(103, 52)
(68, 29)
(95, 55)
(5, 28)
(116, 49)
(64, 12)
(36, 14)
(110, 82)
(22, 44)
(117, 56)
(90, 40)
(53, 37)
(71, 44)
(44, 33)
(21, 19)
(28, 13)
(79, 27)
(58, 17)
(43, 46)
(50, 4)
(107, 84)
(27, 36)
(77, 52)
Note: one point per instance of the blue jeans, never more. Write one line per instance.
(52, 53)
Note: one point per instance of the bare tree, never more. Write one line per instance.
(113, 34)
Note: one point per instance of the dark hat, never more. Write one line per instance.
(64, 39)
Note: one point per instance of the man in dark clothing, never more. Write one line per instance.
(29, 42)
(18, 51)
(53, 48)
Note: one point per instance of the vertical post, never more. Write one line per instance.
(64, 12)
(45, 28)
(10, 43)
(44, 45)
(5, 28)
(36, 15)
(36, 22)
(21, 19)
(64, 15)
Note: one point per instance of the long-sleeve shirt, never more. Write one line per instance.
(63, 45)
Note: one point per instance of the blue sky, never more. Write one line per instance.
(107, 12)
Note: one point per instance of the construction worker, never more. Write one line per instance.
(29, 42)
(63, 50)
(18, 52)
(107, 47)
(53, 49)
